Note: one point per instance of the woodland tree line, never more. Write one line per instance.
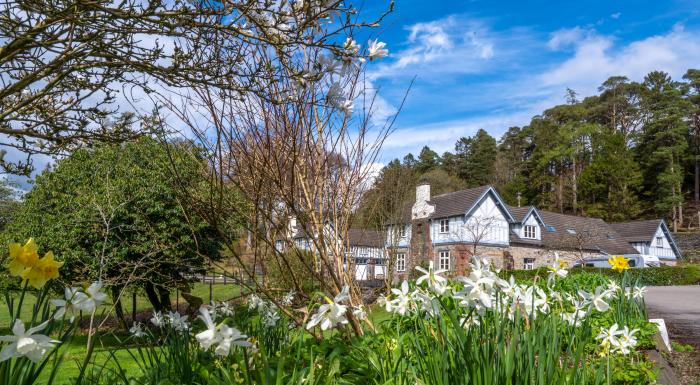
(631, 151)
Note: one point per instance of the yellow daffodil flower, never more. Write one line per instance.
(44, 270)
(22, 258)
(619, 263)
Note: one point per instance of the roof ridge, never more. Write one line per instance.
(461, 191)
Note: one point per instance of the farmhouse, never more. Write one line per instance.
(448, 229)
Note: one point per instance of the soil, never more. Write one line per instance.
(687, 366)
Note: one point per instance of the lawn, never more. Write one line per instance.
(109, 344)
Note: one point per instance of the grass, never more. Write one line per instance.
(108, 344)
(219, 292)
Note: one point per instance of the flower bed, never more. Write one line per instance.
(479, 329)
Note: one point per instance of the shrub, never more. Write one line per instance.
(657, 276)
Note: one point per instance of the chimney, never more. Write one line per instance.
(421, 208)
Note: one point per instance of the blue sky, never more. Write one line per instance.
(495, 64)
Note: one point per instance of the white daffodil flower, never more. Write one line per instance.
(359, 312)
(626, 341)
(229, 337)
(226, 309)
(608, 337)
(613, 289)
(402, 302)
(288, 298)
(25, 343)
(94, 298)
(596, 300)
(332, 313)
(136, 330)
(436, 282)
(558, 269)
(158, 320)
(575, 318)
(377, 50)
(67, 305)
(177, 321)
(210, 336)
(638, 292)
(255, 302)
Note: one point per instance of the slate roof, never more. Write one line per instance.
(519, 213)
(371, 238)
(591, 234)
(449, 204)
(637, 231)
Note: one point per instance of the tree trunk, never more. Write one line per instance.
(697, 181)
(118, 309)
(165, 302)
(153, 297)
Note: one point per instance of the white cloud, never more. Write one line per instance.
(453, 44)
(616, 15)
(597, 57)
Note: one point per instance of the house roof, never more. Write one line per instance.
(573, 232)
(371, 238)
(637, 231)
(455, 203)
(519, 213)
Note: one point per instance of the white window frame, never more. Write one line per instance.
(528, 263)
(402, 231)
(530, 228)
(444, 226)
(400, 262)
(444, 260)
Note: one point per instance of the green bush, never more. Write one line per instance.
(656, 276)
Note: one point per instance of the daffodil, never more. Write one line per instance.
(22, 258)
(26, 343)
(44, 270)
(619, 263)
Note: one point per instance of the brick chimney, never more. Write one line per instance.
(421, 243)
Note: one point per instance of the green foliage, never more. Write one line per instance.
(681, 347)
(116, 210)
(657, 276)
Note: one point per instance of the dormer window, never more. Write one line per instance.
(444, 225)
(402, 231)
(530, 232)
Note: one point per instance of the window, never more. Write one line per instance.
(530, 232)
(279, 245)
(444, 225)
(528, 263)
(444, 260)
(400, 262)
(659, 242)
(571, 231)
(551, 229)
(402, 231)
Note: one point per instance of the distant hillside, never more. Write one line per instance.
(689, 243)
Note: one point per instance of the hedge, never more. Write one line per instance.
(652, 276)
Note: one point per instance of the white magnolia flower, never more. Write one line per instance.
(26, 343)
(67, 305)
(377, 50)
(332, 313)
(136, 330)
(177, 321)
(158, 320)
(436, 282)
(351, 47)
(346, 106)
(93, 299)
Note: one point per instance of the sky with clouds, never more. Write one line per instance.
(495, 64)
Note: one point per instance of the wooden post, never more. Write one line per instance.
(211, 285)
(133, 307)
(177, 300)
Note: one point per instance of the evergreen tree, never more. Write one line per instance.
(427, 160)
(476, 158)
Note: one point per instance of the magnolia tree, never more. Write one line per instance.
(299, 152)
